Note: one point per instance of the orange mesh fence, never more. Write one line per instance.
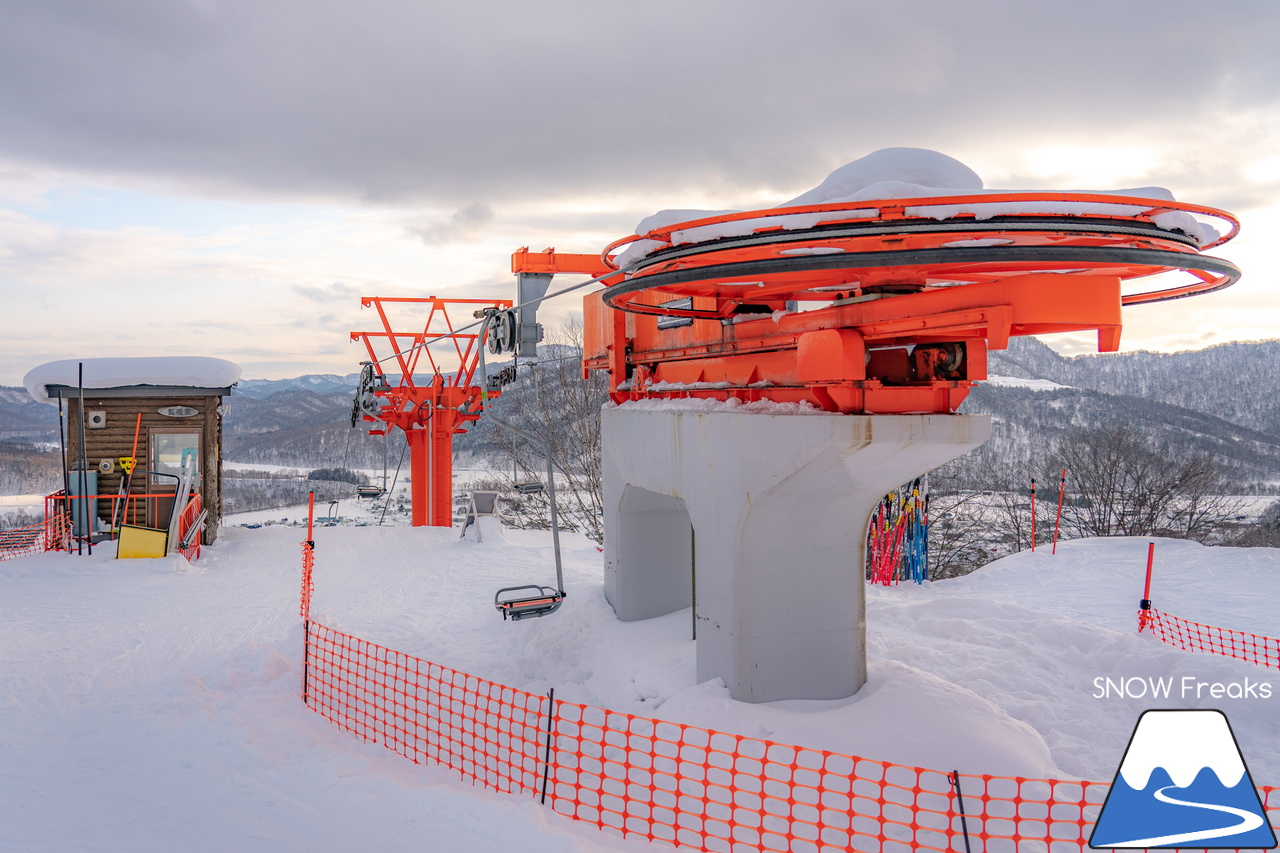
(711, 791)
(48, 535)
(21, 541)
(491, 734)
(707, 790)
(1192, 636)
(57, 523)
(681, 785)
(308, 581)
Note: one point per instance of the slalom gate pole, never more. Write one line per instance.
(1062, 489)
(308, 559)
(875, 542)
(1144, 616)
(924, 531)
(912, 568)
(1033, 515)
(895, 548)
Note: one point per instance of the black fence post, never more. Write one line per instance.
(551, 736)
(954, 779)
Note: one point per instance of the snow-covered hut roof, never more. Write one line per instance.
(140, 375)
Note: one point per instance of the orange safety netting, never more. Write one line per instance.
(488, 732)
(308, 582)
(713, 791)
(49, 535)
(682, 785)
(1192, 636)
(21, 541)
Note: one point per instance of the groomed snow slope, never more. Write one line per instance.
(152, 705)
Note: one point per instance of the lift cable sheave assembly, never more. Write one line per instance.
(877, 306)
(901, 240)
(431, 412)
(429, 402)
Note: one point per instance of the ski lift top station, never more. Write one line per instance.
(775, 372)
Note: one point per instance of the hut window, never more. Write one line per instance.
(166, 453)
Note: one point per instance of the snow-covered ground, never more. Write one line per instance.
(349, 511)
(152, 705)
(1019, 382)
(25, 502)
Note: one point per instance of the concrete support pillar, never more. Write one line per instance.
(778, 506)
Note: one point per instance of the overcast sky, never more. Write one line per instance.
(227, 178)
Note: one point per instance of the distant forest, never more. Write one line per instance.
(1219, 401)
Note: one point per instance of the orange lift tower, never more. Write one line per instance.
(429, 403)
(738, 329)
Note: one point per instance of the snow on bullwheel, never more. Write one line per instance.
(873, 300)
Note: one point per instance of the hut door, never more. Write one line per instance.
(165, 457)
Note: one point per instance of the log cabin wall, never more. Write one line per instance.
(115, 440)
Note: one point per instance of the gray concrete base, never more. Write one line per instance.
(762, 518)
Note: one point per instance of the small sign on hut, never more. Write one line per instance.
(171, 406)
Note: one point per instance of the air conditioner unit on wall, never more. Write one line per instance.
(95, 420)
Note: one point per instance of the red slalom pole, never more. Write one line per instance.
(1062, 488)
(1144, 615)
(1033, 515)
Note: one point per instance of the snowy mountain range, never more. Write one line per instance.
(1235, 382)
(1220, 399)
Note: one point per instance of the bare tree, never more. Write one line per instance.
(960, 529)
(1130, 486)
(556, 403)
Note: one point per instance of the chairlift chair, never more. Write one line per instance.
(542, 601)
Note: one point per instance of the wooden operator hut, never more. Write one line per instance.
(180, 400)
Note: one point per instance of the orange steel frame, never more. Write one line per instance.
(888, 337)
(429, 412)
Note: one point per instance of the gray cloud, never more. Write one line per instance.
(327, 294)
(463, 225)
(399, 101)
